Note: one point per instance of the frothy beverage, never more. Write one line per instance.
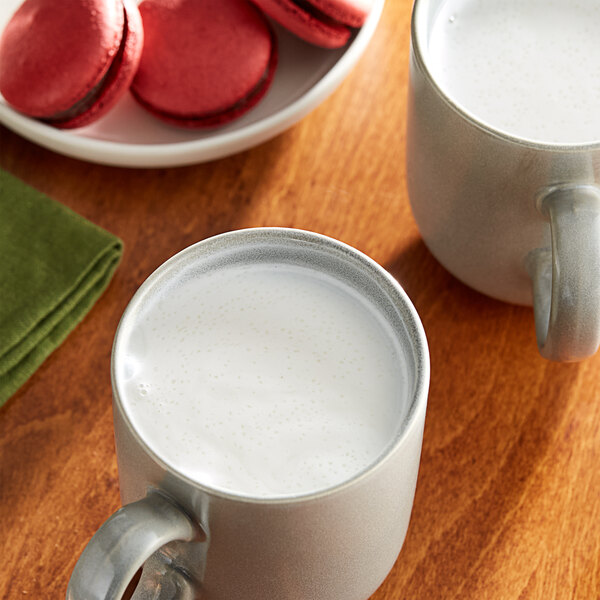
(529, 68)
(264, 380)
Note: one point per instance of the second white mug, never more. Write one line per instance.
(503, 156)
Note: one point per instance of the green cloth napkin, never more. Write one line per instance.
(54, 265)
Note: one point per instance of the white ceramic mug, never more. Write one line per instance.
(199, 540)
(504, 188)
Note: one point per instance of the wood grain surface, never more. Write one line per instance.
(508, 496)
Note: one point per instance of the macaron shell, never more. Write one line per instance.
(305, 25)
(53, 53)
(349, 12)
(121, 73)
(201, 57)
(223, 117)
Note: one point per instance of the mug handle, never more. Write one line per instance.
(124, 542)
(566, 276)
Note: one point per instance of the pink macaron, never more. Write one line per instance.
(324, 23)
(205, 62)
(67, 63)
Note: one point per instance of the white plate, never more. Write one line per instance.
(129, 136)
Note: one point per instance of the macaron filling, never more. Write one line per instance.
(88, 101)
(315, 12)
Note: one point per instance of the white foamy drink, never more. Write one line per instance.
(529, 68)
(264, 380)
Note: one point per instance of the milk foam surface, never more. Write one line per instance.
(264, 380)
(530, 68)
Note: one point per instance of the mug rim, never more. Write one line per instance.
(418, 20)
(410, 318)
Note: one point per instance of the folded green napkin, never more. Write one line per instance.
(54, 264)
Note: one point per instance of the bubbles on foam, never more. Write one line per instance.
(276, 381)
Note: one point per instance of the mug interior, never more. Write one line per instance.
(299, 249)
(425, 15)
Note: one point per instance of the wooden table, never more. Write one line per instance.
(508, 497)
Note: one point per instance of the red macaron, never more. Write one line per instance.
(67, 63)
(324, 23)
(205, 62)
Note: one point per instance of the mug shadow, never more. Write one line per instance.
(494, 408)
